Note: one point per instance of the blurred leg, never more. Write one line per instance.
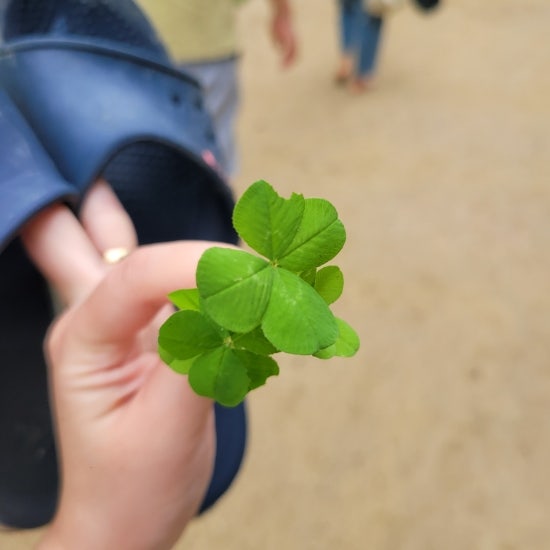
(350, 36)
(370, 42)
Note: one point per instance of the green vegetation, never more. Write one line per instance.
(246, 308)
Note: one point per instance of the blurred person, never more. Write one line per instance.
(360, 36)
(202, 37)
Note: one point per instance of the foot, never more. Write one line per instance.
(359, 85)
(344, 71)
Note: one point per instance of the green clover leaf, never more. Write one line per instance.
(267, 222)
(247, 308)
(297, 319)
(320, 237)
(227, 375)
(254, 341)
(346, 344)
(235, 287)
(221, 375)
(329, 283)
(186, 298)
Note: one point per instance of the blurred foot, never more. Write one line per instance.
(344, 71)
(358, 86)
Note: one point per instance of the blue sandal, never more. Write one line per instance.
(89, 91)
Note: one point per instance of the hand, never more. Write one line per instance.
(283, 33)
(136, 444)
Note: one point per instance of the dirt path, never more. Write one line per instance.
(436, 436)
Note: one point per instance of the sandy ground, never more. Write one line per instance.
(437, 435)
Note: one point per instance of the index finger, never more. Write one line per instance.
(60, 248)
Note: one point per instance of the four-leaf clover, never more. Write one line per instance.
(248, 307)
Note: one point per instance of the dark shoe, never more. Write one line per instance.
(94, 83)
(28, 468)
(426, 5)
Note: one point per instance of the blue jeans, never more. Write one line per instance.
(360, 35)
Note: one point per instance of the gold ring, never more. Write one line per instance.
(114, 255)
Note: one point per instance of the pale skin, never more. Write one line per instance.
(69, 251)
(136, 444)
(282, 31)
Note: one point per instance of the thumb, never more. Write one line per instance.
(133, 291)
